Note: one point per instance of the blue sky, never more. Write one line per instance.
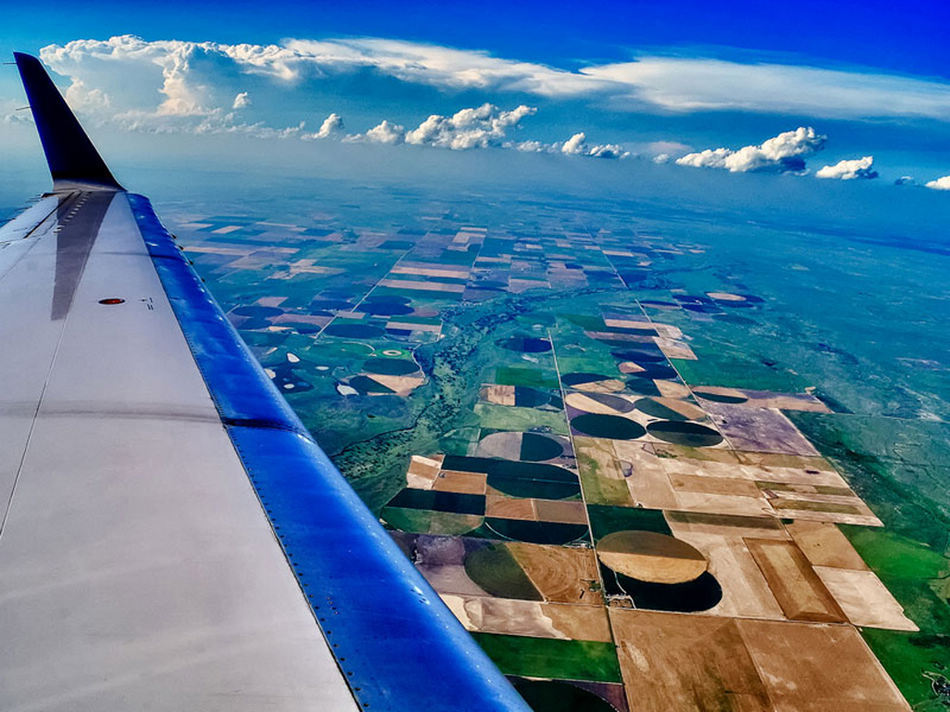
(837, 90)
(910, 36)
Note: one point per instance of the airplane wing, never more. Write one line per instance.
(172, 537)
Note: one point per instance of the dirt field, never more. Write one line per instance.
(817, 668)
(463, 482)
(672, 663)
(530, 618)
(825, 545)
(794, 583)
(502, 395)
(561, 574)
(864, 598)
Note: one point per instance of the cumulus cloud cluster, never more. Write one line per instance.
(385, 132)
(939, 183)
(485, 126)
(853, 169)
(577, 145)
(331, 126)
(782, 153)
(477, 127)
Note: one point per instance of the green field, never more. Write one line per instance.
(546, 657)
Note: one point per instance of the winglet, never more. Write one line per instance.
(70, 154)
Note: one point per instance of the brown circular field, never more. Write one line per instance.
(653, 557)
(598, 403)
(592, 382)
(533, 447)
(670, 409)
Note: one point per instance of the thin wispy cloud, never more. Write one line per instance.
(672, 84)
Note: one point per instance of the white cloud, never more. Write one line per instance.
(780, 153)
(161, 87)
(661, 158)
(702, 84)
(939, 184)
(667, 147)
(441, 66)
(858, 168)
(241, 101)
(667, 83)
(577, 145)
(574, 145)
(82, 99)
(13, 112)
(478, 127)
(385, 132)
(331, 126)
(530, 146)
(906, 180)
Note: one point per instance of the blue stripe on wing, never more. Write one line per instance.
(398, 645)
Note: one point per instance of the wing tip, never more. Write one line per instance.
(72, 158)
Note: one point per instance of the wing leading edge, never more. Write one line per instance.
(173, 536)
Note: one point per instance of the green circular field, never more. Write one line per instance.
(614, 427)
(688, 434)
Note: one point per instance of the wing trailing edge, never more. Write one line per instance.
(72, 158)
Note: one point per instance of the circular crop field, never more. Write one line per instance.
(532, 447)
(688, 434)
(700, 594)
(495, 570)
(614, 427)
(390, 366)
(669, 409)
(526, 344)
(558, 696)
(639, 355)
(654, 371)
(721, 395)
(651, 556)
(602, 403)
(528, 397)
(592, 382)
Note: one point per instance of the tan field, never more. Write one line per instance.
(824, 545)
(794, 583)
(463, 482)
(674, 663)
(530, 618)
(680, 662)
(560, 574)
